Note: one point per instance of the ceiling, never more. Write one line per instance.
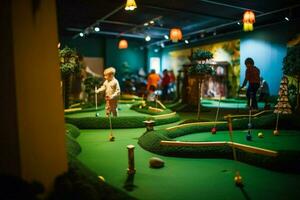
(194, 17)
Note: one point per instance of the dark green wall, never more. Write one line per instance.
(108, 49)
(133, 55)
(88, 47)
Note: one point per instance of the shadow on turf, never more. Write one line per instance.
(129, 183)
(245, 194)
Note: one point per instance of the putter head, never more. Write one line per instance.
(111, 138)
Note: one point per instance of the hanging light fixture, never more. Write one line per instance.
(130, 5)
(175, 34)
(248, 27)
(123, 44)
(248, 20)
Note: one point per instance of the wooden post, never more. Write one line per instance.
(149, 125)
(199, 97)
(96, 102)
(131, 168)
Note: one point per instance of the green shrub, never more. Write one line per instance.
(285, 161)
(79, 182)
(72, 130)
(73, 147)
(117, 122)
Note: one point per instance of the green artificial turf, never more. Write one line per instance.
(288, 139)
(79, 182)
(127, 119)
(181, 178)
(145, 110)
(124, 110)
(228, 103)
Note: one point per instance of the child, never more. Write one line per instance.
(253, 77)
(112, 91)
(151, 94)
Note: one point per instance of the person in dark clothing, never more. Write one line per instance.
(165, 85)
(253, 77)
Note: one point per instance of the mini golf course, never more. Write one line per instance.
(187, 175)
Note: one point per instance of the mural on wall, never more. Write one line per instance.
(228, 51)
(177, 59)
(223, 52)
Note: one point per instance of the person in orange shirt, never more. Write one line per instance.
(153, 79)
(253, 77)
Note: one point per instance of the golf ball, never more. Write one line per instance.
(238, 180)
(249, 125)
(276, 132)
(214, 130)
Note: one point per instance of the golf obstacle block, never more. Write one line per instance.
(155, 162)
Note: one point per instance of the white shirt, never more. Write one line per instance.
(111, 88)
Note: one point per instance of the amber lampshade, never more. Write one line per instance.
(175, 34)
(123, 44)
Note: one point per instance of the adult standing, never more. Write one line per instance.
(253, 77)
(153, 79)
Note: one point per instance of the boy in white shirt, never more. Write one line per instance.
(112, 91)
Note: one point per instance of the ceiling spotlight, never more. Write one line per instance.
(151, 22)
(162, 45)
(215, 33)
(81, 34)
(287, 19)
(146, 24)
(147, 38)
(202, 35)
(156, 50)
(97, 29)
(166, 37)
(238, 23)
(186, 41)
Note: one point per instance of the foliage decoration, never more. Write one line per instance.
(291, 67)
(201, 68)
(69, 62)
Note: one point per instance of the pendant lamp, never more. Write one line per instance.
(130, 5)
(175, 34)
(123, 44)
(248, 20)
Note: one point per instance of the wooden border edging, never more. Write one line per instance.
(195, 123)
(72, 109)
(163, 116)
(254, 115)
(243, 147)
